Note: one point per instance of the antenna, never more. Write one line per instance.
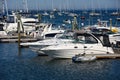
(6, 7)
(2, 7)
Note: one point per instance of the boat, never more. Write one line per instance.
(94, 14)
(103, 28)
(83, 58)
(52, 16)
(115, 13)
(67, 21)
(60, 14)
(83, 40)
(118, 18)
(47, 30)
(72, 14)
(58, 39)
(11, 24)
(45, 14)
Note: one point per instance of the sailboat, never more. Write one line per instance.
(116, 13)
(93, 13)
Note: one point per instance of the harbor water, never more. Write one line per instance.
(27, 65)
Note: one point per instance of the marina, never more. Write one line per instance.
(59, 40)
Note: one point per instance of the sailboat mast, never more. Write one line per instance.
(2, 6)
(25, 6)
(6, 7)
(52, 5)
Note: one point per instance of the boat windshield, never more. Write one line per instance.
(63, 36)
(87, 39)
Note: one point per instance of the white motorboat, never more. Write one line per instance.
(28, 24)
(118, 18)
(45, 14)
(94, 14)
(115, 13)
(103, 28)
(83, 58)
(53, 41)
(67, 21)
(58, 39)
(47, 30)
(85, 41)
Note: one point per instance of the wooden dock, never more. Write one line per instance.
(108, 56)
(8, 39)
(105, 56)
(16, 40)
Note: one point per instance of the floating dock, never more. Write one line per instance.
(105, 56)
(108, 56)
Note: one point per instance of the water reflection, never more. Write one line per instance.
(29, 66)
(65, 67)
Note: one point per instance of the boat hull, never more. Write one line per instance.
(69, 53)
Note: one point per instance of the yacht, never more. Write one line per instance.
(118, 18)
(58, 39)
(94, 14)
(47, 30)
(45, 14)
(86, 42)
(101, 25)
(102, 28)
(11, 24)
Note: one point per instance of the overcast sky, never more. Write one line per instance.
(64, 4)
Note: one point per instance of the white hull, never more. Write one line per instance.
(13, 27)
(86, 43)
(37, 50)
(69, 53)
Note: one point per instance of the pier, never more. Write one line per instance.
(8, 39)
(108, 56)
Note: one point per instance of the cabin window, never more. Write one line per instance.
(30, 22)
